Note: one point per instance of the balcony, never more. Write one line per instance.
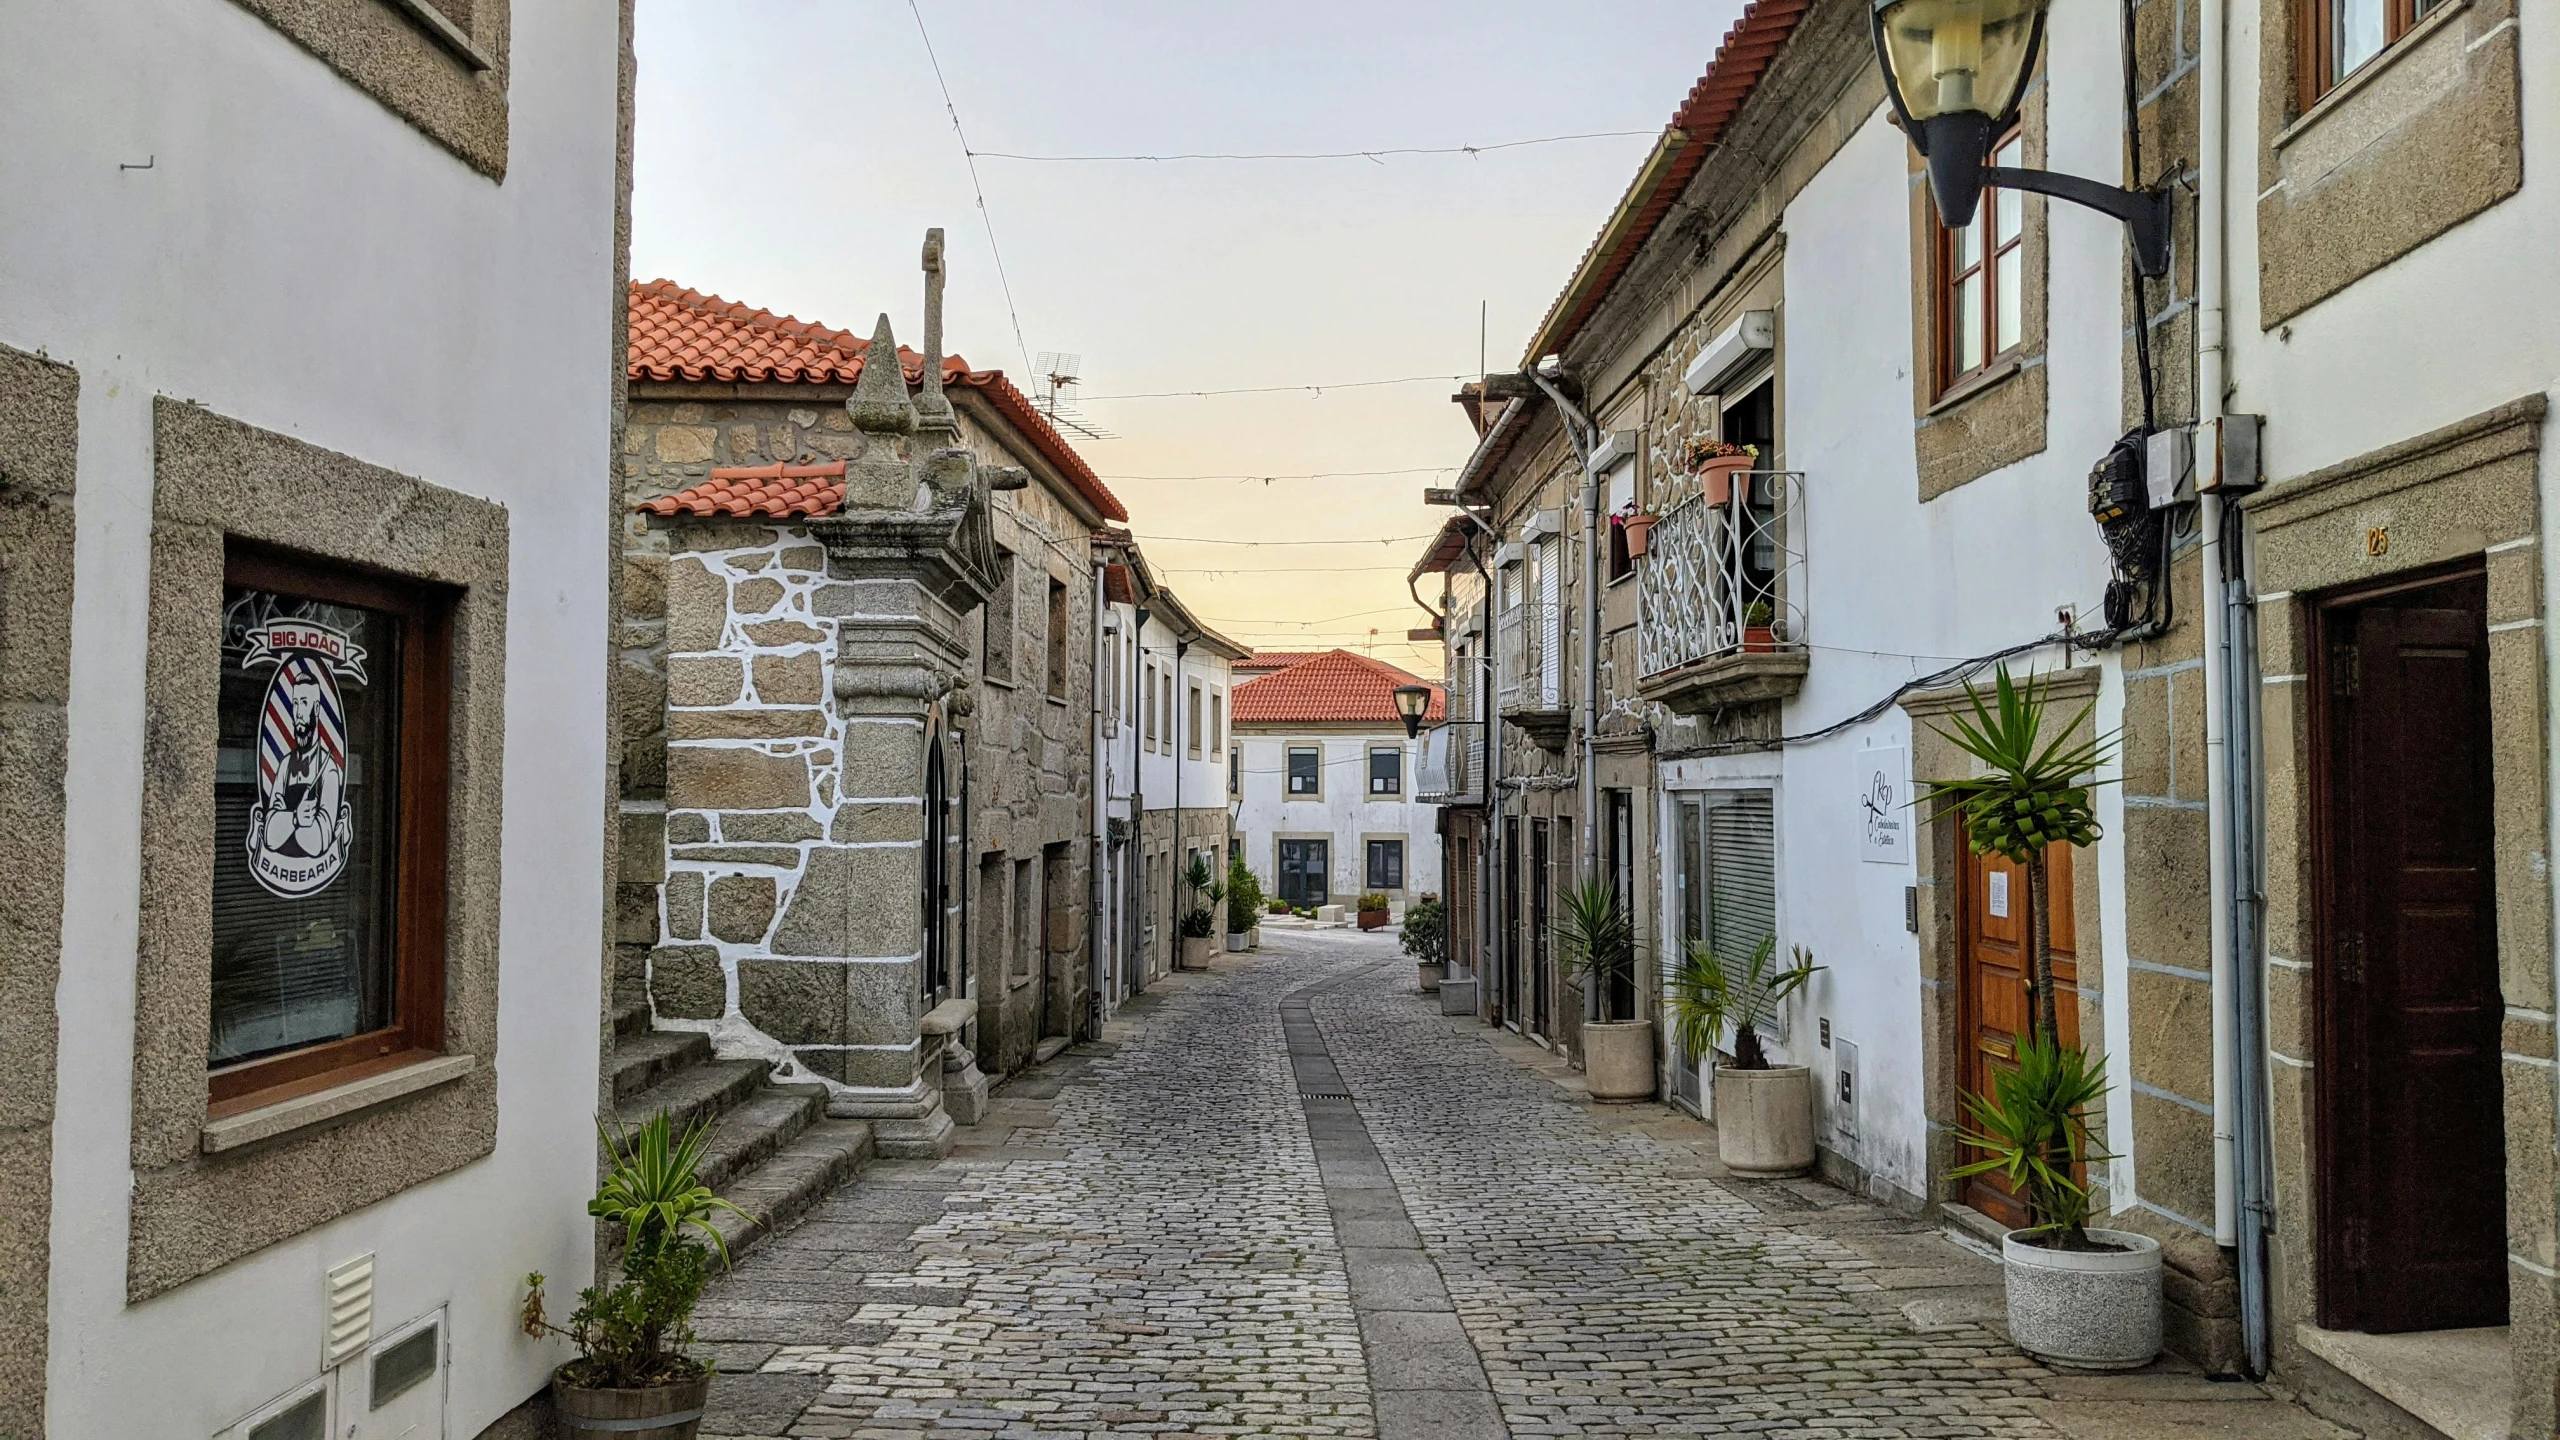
(1451, 770)
(1529, 661)
(1723, 587)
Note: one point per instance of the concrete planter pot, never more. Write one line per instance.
(1458, 995)
(1764, 1120)
(1617, 1059)
(1237, 940)
(1195, 952)
(582, 1413)
(2085, 1309)
(1253, 938)
(1432, 973)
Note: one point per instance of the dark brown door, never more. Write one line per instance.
(1992, 1005)
(1511, 946)
(2412, 1150)
(1538, 1019)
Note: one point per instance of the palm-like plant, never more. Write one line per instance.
(654, 1189)
(2033, 792)
(2034, 1128)
(1707, 993)
(1597, 937)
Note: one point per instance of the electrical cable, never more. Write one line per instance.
(1317, 390)
(1372, 155)
(985, 217)
(1347, 540)
(1312, 475)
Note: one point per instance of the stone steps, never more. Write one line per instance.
(798, 1176)
(770, 1150)
(641, 1061)
(630, 1017)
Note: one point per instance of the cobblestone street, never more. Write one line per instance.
(1175, 1232)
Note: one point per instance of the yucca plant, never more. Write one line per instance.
(633, 1333)
(2033, 792)
(1707, 993)
(2034, 1131)
(1596, 937)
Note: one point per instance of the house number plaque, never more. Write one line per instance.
(2377, 541)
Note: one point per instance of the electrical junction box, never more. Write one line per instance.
(2227, 455)
(1844, 1082)
(2169, 466)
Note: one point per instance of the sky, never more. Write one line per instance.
(792, 153)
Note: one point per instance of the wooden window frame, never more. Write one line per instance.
(419, 889)
(1953, 373)
(2316, 48)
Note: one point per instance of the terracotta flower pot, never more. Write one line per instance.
(1715, 476)
(1759, 639)
(583, 1413)
(1639, 529)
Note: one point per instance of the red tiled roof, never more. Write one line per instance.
(1695, 129)
(1336, 685)
(1266, 661)
(679, 334)
(775, 492)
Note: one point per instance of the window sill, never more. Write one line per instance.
(997, 681)
(1958, 394)
(398, 1077)
(2364, 75)
(444, 32)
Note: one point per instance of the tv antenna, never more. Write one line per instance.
(1059, 374)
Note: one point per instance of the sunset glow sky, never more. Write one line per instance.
(791, 155)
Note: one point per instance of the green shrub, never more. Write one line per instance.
(1426, 931)
(1374, 900)
(1244, 896)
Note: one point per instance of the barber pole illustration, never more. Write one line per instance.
(301, 827)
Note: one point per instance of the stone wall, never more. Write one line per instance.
(1202, 827)
(750, 795)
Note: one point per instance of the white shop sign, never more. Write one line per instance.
(1884, 806)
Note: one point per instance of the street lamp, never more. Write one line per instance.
(1955, 70)
(1412, 702)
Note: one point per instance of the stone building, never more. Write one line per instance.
(2321, 979)
(858, 806)
(1166, 687)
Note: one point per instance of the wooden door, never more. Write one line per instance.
(1538, 1019)
(1511, 936)
(1993, 1007)
(2411, 1139)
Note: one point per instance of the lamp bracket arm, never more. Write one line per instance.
(2146, 213)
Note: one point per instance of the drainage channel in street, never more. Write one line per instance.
(1425, 1379)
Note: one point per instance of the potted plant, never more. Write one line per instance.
(1763, 1112)
(1426, 939)
(631, 1335)
(1199, 924)
(1717, 462)
(2078, 1296)
(1277, 906)
(1373, 909)
(1598, 942)
(1759, 632)
(1639, 527)
(1244, 904)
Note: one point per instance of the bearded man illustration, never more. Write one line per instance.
(298, 836)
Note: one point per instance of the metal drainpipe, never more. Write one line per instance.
(1484, 703)
(1096, 960)
(1496, 980)
(1138, 801)
(2211, 361)
(1173, 728)
(1578, 429)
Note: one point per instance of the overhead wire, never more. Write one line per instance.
(1377, 154)
(1272, 389)
(976, 186)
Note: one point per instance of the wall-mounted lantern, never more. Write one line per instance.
(1955, 71)
(1413, 702)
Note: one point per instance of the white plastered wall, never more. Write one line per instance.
(297, 257)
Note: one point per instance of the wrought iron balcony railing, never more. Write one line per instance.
(1726, 578)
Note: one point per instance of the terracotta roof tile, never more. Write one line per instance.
(773, 492)
(1335, 685)
(681, 334)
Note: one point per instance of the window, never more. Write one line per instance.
(1058, 627)
(1386, 772)
(1111, 687)
(1306, 767)
(2341, 35)
(1193, 715)
(1235, 772)
(430, 62)
(1386, 864)
(1217, 720)
(1164, 679)
(1149, 735)
(995, 652)
(1982, 271)
(329, 826)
